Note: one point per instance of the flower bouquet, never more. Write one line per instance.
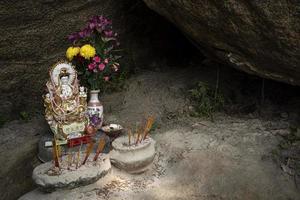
(93, 55)
(93, 52)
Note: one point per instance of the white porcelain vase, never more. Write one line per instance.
(95, 109)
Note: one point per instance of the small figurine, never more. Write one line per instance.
(82, 96)
(82, 92)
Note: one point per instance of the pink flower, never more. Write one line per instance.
(97, 59)
(101, 66)
(91, 66)
(106, 78)
(105, 60)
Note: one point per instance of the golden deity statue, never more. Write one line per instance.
(65, 103)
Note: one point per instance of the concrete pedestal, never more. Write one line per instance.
(49, 179)
(134, 158)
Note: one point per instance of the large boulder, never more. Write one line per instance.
(258, 37)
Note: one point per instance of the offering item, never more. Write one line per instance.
(65, 103)
(112, 130)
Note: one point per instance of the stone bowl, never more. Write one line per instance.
(134, 158)
(70, 178)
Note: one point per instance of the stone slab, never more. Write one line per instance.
(71, 178)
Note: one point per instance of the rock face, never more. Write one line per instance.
(34, 37)
(258, 37)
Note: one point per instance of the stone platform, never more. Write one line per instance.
(48, 178)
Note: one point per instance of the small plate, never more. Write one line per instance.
(112, 130)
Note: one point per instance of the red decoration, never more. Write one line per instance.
(78, 141)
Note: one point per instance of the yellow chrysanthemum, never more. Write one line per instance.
(71, 52)
(87, 51)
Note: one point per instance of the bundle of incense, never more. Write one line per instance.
(55, 153)
(139, 133)
(135, 132)
(148, 127)
(99, 148)
(88, 151)
(78, 156)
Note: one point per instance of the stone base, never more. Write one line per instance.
(48, 181)
(135, 158)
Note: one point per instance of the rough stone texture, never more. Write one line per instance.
(258, 37)
(34, 38)
(18, 150)
(69, 179)
(135, 158)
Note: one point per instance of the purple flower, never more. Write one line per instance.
(73, 37)
(95, 120)
(92, 25)
(108, 33)
(96, 24)
(99, 23)
(85, 32)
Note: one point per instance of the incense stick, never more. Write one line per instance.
(55, 153)
(100, 148)
(78, 155)
(148, 127)
(59, 153)
(88, 151)
(129, 137)
(138, 136)
(69, 160)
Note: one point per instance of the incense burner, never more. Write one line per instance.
(65, 103)
(134, 158)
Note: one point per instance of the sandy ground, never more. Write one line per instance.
(229, 158)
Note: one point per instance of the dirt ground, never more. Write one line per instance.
(229, 158)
